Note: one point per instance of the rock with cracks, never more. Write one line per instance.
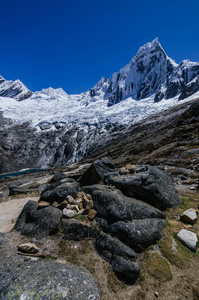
(97, 172)
(148, 184)
(58, 191)
(38, 223)
(44, 279)
(113, 206)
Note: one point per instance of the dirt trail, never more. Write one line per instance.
(10, 210)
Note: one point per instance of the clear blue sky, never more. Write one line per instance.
(73, 43)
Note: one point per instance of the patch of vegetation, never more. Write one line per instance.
(189, 200)
(113, 282)
(158, 267)
(143, 277)
(177, 254)
(80, 217)
(180, 256)
(69, 252)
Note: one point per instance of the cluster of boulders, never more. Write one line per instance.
(121, 210)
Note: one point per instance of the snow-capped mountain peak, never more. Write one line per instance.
(150, 76)
(67, 126)
(14, 89)
(143, 76)
(53, 92)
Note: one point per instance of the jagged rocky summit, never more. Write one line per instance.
(121, 211)
(51, 128)
(14, 89)
(150, 72)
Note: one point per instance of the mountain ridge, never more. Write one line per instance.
(150, 71)
(51, 128)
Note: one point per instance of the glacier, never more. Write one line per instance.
(67, 127)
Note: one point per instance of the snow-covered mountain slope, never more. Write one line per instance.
(142, 77)
(51, 128)
(151, 76)
(14, 89)
(150, 72)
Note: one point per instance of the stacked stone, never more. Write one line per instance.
(58, 195)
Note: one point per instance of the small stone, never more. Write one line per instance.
(156, 294)
(62, 205)
(122, 170)
(193, 188)
(174, 245)
(80, 195)
(70, 199)
(188, 238)
(131, 168)
(43, 204)
(73, 207)
(55, 204)
(189, 216)
(91, 215)
(85, 202)
(89, 205)
(29, 248)
(68, 213)
(89, 196)
(78, 201)
(80, 206)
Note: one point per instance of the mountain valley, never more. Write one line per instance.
(118, 167)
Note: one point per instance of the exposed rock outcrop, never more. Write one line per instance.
(43, 279)
(97, 172)
(113, 206)
(60, 190)
(117, 224)
(148, 184)
(38, 223)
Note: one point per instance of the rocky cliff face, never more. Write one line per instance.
(14, 89)
(22, 146)
(150, 72)
(170, 139)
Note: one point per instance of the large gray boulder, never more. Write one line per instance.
(58, 191)
(38, 223)
(27, 215)
(108, 246)
(122, 258)
(113, 206)
(44, 279)
(148, 184)
(76, 230)
(99, 169)
(59, 175)
(137, 234)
